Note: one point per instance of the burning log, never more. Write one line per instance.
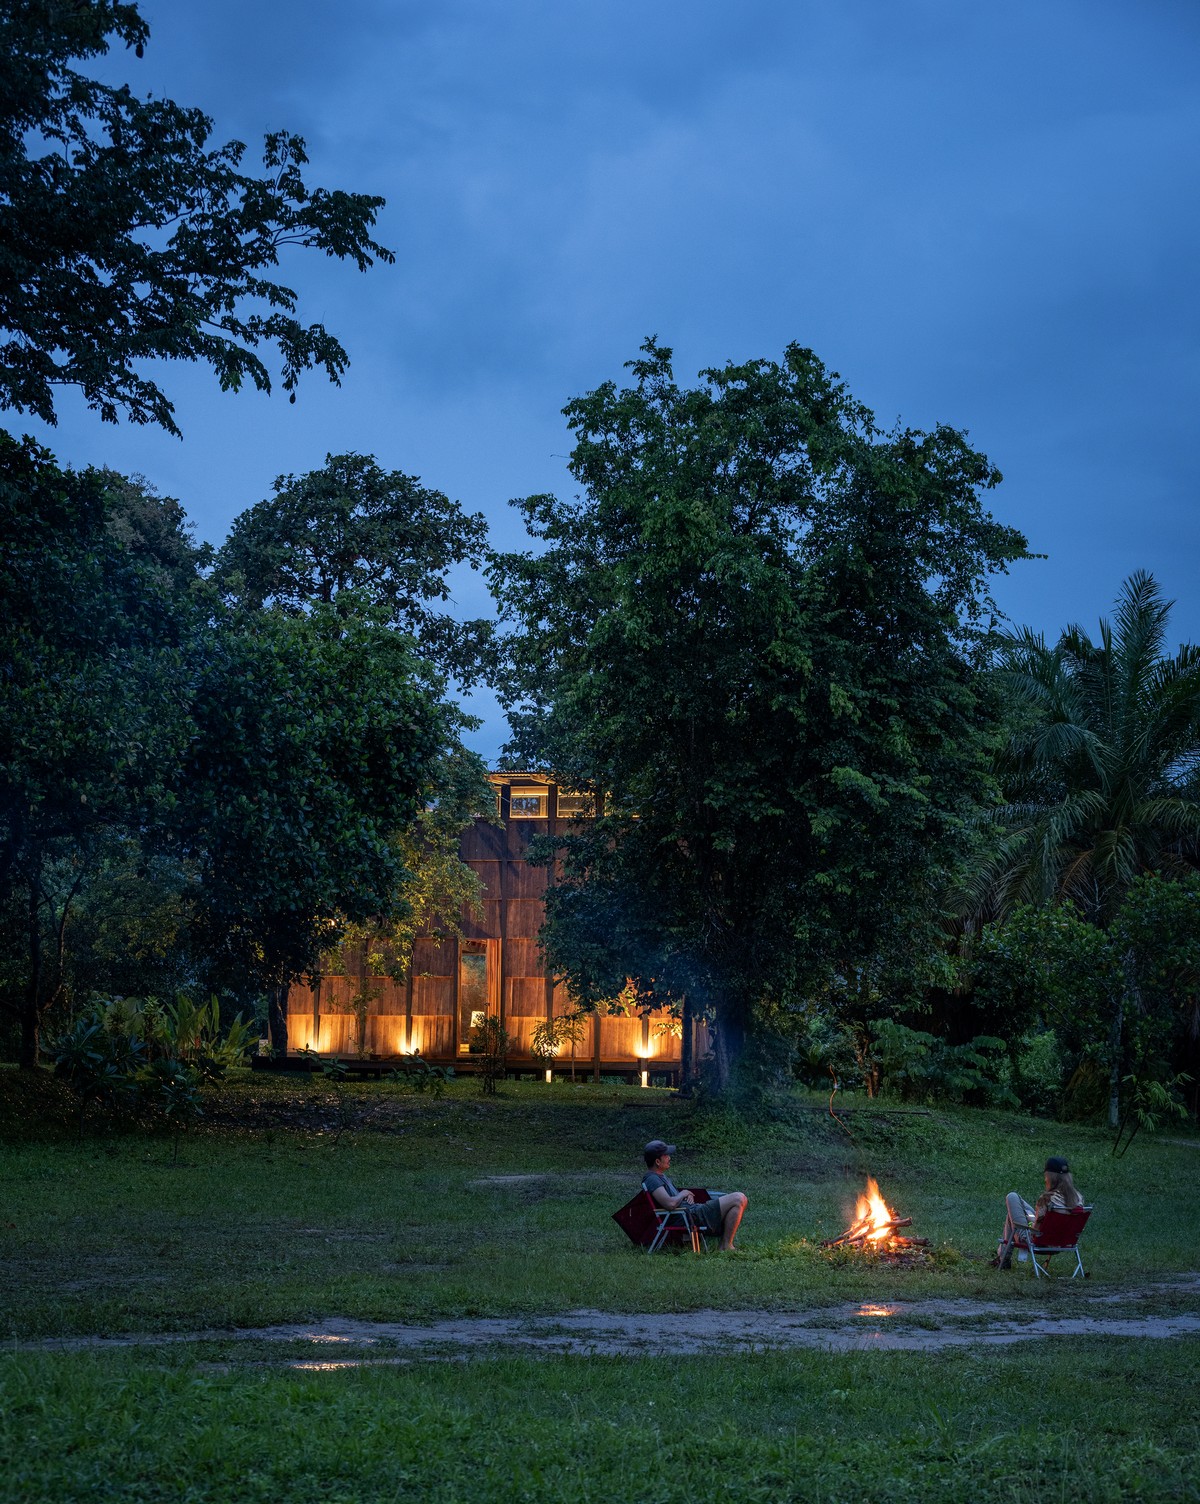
(876, 1231)
(865, 1230)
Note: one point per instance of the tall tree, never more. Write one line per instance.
(125, 237)
(1101, 774)
(95, 640)
(1101, 771)
(753, 634)
(352, 534)
(316, 738)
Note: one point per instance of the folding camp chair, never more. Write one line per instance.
(653, 1227)
(1059, 1233)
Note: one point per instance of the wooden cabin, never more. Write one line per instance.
(496, 969)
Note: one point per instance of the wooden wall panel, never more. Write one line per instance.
(620, 1038)
(482, 842)
(336, 1035)
(489, 925)
(524, 881)
(434, 957)
(524, 917)
(489, 874)
(518, 835)
(432, 995)
(433, 1035)
(386, 1036)
(521, 1032)
(526, 998)
(523, 958)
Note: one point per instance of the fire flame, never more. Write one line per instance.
(874, 1209)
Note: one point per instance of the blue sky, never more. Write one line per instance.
(980, 215)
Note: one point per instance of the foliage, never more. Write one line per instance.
(353, 544)
(315, 738)
(916, 1066)
(1039, 1072)
(1100, 773)
(436, 888)
(1047, 967)
(125, 1055)
(128, 238)
(192, 1034)
(96, 637)
(552, 1035)
(489, 1042)
(825, 1054)
(354, 535)
(1120, 999)
(1147, 1104)
(754, 635)
(99, 1065)
(172, 1087)
(418, 1075)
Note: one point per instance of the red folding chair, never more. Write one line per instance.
(654, 1227)
(1058, 1233)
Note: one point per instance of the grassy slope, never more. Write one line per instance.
(396, 1220)
(278, 1220)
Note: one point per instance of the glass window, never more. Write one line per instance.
(528, 806)
(472, 996)
(576, 806)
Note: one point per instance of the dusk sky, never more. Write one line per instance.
(980, 215)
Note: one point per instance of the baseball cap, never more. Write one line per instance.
(1057, 1165)
(659, 1146)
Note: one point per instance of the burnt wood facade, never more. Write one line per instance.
(495, 969)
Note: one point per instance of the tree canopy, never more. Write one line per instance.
(125, 237)
(238, 776)
(753, 633)
(1101, 770)
(354, 536)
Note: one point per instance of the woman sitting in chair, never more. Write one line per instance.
(719, 1216)
(1060, 1195)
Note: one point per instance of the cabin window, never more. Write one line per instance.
(528, 806)
(472, 996)
(576, 806)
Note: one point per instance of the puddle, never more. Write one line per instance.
(924, 1326)
(503, 1180)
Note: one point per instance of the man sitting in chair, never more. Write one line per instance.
(720, 1216)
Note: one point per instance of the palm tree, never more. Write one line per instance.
(1102, 766)
(1102, 769)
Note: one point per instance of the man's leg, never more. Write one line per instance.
(732, 1207)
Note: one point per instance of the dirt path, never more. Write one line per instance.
(932, 1325)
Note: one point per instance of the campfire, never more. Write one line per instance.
(876, 1231)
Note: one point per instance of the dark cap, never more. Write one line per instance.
(1057, 1165)
(656, 1146)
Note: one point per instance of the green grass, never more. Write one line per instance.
(287, 1219)
(1087, 1420)
(289, 1206)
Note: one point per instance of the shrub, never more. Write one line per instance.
(920, 1067)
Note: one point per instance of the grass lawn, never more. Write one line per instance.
(298, 1200)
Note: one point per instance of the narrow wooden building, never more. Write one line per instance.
(495, 969)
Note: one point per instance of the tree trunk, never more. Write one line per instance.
(686, 1050)
(1128, 999)
(1114, 1070)
(728, 1045)
(277, 1003)
(27, 1056)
